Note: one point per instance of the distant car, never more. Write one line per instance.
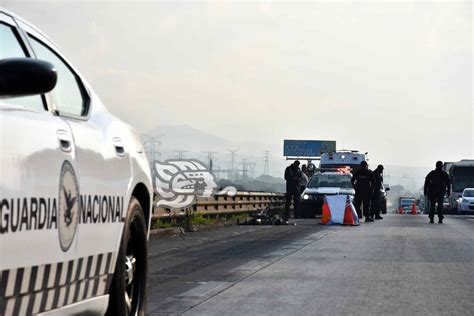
(406, 203)
(320, 185)
(466, 201)
(76, 190)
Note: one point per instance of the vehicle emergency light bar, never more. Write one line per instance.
(345, 169)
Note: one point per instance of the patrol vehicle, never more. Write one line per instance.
(320, 185)
(75, 185)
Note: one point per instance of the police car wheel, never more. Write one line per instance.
(128, 288)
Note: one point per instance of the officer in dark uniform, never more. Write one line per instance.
(293, 177)
(363, 182)
(437, 183)
(375, 205)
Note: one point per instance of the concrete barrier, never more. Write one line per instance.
(242, 202)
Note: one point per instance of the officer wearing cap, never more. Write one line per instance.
(375, 206)
(363, 182)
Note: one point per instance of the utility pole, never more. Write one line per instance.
(231, 172)
(180, 153)
(266, 160)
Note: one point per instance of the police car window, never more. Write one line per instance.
(67, 95)
(11, 48)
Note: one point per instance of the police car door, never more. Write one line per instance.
(104, 173)
(39, 197)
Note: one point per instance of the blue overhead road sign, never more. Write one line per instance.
(307, 148)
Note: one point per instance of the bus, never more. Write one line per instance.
(462, 176)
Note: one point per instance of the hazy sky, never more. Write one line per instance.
(391, 78)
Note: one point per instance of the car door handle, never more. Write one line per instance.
(65, 141)
(119, 149)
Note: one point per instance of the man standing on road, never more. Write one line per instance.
(293, 179)
(375, 206)
(436, 185)
(363, 182)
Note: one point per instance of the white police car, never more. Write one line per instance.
(320, 185)
(75, 188)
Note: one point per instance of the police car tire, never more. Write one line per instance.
(117, 304)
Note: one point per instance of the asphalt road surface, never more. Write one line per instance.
(400, 265)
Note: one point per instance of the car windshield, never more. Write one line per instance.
(331, 181)
(469, 193)
(407, 202)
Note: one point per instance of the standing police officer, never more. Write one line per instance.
(293, 177)
(375, 206)
(363, 182)
(436, 185)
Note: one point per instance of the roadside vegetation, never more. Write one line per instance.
(196, 221)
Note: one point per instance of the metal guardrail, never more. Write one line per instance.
(242, 202)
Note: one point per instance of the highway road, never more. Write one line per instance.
(400, 265)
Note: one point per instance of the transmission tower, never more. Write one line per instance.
(150, 143)
(180, 153)
(244, 169)
(252, 165)
(231, 175)
(209, 158)
(266, 160)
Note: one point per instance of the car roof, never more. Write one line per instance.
(464, 163)
(20, 20)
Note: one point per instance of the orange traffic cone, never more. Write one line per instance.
(326, 216)
(348, 217)
(400, 210)
(413, 208)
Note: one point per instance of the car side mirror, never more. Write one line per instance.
(20, 77)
